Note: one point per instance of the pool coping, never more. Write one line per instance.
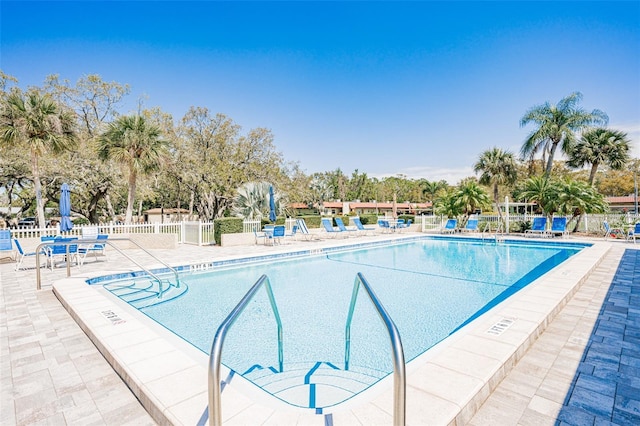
(446, 385)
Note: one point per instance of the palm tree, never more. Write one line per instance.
(556, 126)
(471, 197)
(138, 145)
(447, 204)
(498, 167)
(540, 190)
(37, 123)
(600, 146)
(577, 198)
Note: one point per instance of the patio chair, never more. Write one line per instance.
(304, 231)
(90, 232)
(65, 251)
(343, 228)
(450, 226)
(6, 246)
(610, 232)
(277, 235)
(539, 227)
(559, 226)
(95, 249)
(634, 232)
(401, 224)
(360, 227)
(22, 254)
(384, 225)
(330, 230)
(471, 226)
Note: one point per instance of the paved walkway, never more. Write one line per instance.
(573, 374)
(585, 368)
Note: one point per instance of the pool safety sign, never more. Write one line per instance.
(112, 317)
(499, 327)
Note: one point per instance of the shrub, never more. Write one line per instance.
(226, 225)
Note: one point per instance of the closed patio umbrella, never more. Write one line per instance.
(272, 205)
(65, 208)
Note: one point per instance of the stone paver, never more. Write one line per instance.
(594, 377)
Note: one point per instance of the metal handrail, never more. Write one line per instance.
(109, 242)
(399, 375)
(215, 357)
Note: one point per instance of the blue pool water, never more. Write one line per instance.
(430, 287)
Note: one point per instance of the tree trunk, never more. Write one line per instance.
(497, 201)
(554, 146)
(110, 210)
(592, 174)
(131, 196)
(38, 188)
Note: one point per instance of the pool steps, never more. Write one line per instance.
(142, 294)
(313, 384)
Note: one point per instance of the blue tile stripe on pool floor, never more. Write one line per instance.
(606, 387)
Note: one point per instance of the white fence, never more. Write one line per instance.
(201, 233)
(590, 223)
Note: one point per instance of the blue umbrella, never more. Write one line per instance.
(272, 205)
(65, 208)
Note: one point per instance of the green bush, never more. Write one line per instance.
(312, 221)
(226, 225)
(80, 221)
(369, 219)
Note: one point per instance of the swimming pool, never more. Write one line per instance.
(430, 287)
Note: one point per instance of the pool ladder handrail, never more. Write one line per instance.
(110, 243)
(499, 230)
(215, 356)
(399, 374)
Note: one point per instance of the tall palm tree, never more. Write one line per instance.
(600, 146)
(498, 167)
(34, 121)
(138, 145)
(556, 126)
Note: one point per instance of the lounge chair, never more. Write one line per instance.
(539, 227)
(471, 226)
(450, 226)
(304, 231)
(610, 232)
(330, 230)
(401, 224)
(95, 248)
(634, 232)
(384, 225)
(360, 227)
(343, 228)
(559, 226)
(22, 254)
(6, 246)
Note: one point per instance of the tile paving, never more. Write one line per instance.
(584, 369)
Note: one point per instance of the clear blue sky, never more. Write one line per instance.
(413, 88)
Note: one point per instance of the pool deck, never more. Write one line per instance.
(568, 354)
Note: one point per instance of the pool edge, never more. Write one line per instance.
(85, 304)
